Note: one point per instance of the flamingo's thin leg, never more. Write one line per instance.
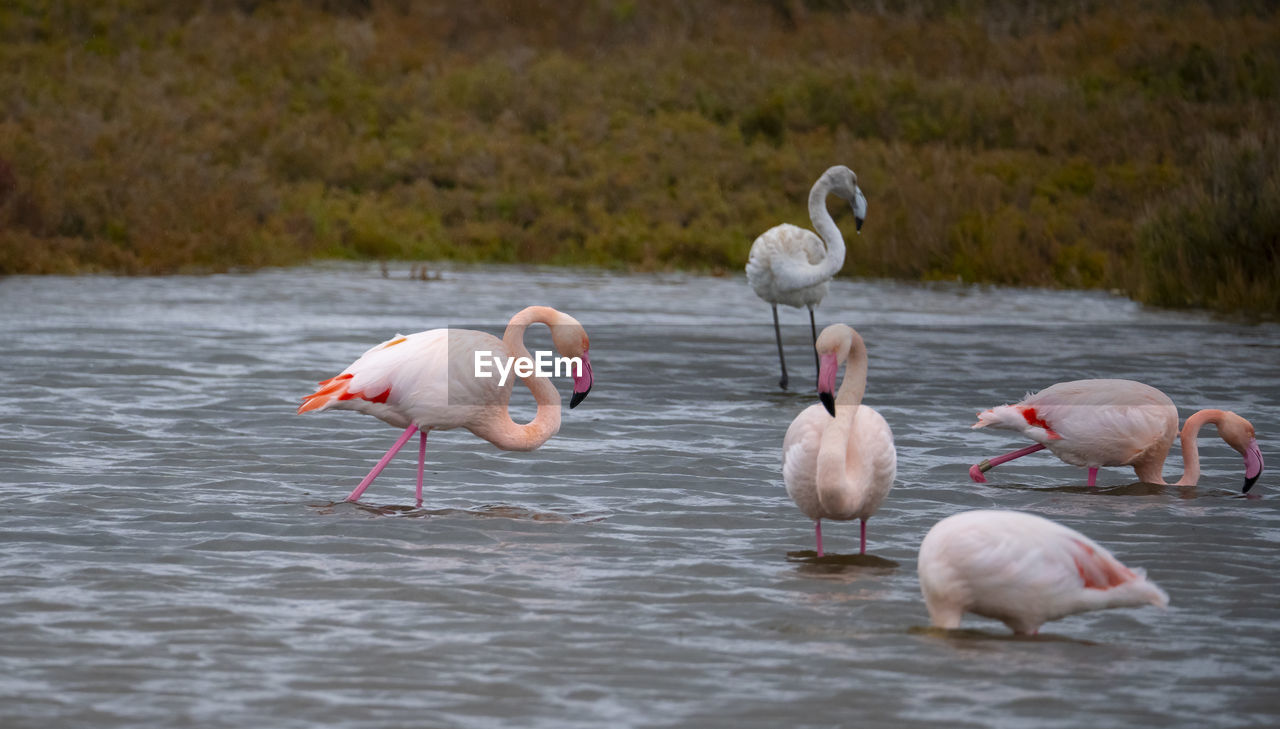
(377, 469)
(976, 471)
(817, 532)
(422, 457)
(1093, 476)
(777, 331)
(813, 329)
(862, 549)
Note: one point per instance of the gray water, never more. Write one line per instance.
(174, 551)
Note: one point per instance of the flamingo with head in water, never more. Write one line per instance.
(428, 381)
(1095, 423)
(838, 458)
(1022, 570)
(791, 266)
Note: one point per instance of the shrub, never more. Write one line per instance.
(1216, 242)
(1000, 142)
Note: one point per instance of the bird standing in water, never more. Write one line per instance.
(428, 381)
(1095, 423)
(1023, 570)
(791, 266)
(838, 458)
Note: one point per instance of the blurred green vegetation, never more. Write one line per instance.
(1071, 144)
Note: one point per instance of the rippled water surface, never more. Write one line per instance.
(174, 550)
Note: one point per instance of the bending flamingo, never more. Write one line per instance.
(1022, 570)
(427, 381)
(839, 467)
(1095, 423)
(791, 266)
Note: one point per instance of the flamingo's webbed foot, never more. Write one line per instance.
(976, 471)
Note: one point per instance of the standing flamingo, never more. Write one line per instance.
(839, 468)
(1094, 423)
(790, 265)
(427, 381)
(1022, 570)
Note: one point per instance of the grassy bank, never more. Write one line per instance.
(1052, 144)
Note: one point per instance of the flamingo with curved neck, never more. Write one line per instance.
(838, 457)
(791, 266)
(1095, 423)
(431, 380)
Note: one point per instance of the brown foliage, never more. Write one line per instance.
(1018, 143)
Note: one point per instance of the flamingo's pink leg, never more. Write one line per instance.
(862, 548)
(404, 438)
(1093, 476)
(817, 531)
(976, 471)
(422, 457)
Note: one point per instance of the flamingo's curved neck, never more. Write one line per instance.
(509, 434)
(1190, 448)
(837, 491)
(854, 384)
(828, 231)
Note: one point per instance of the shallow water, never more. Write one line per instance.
(174, 551)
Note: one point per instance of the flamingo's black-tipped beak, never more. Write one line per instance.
(1252, 464)
(859, 203)
(827, 368)
(582, 382)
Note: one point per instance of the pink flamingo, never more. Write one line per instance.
(428, 381)
(1094, 423)
(838, 459)
(1022, 570)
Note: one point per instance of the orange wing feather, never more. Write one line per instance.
(336, 389)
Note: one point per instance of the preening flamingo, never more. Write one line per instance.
(838, 459)
(427, 381)
(1022, 570)
(790, 265)
(1094, 423)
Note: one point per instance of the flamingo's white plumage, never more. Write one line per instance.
(838, 458)
(1023, 570)
(791, 266)
(427, 381)
(1095, 423)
